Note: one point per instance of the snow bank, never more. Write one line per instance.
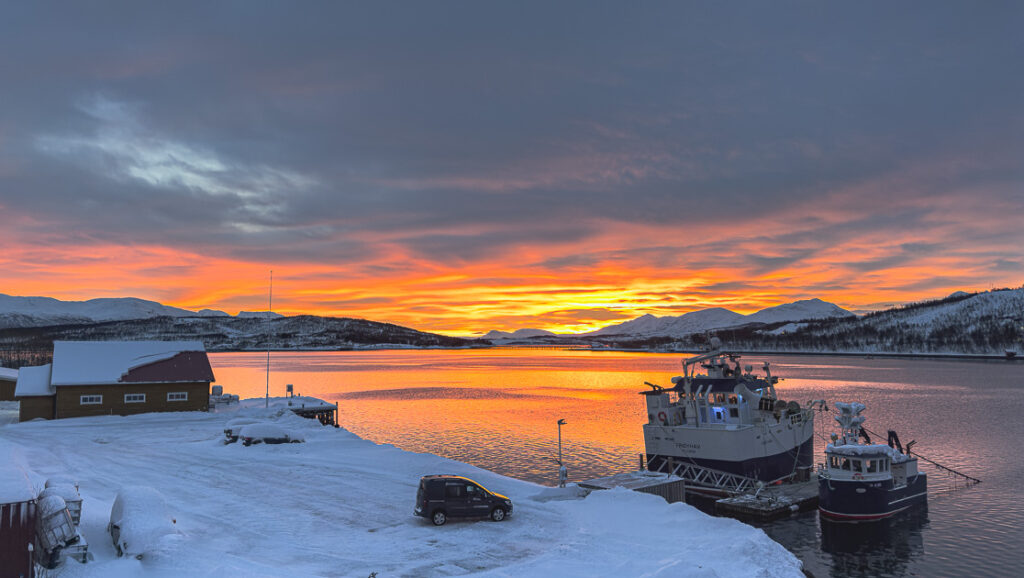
(339, 505)
(15, 485)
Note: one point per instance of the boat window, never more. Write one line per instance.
(846, 464)
(872, 466)
(833, 462)
(857, 466)
(732, 400)
(734, 412)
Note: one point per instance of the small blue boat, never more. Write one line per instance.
(866, 481)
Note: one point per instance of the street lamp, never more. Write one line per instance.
(562, 472)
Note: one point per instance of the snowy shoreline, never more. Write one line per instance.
(339, 505)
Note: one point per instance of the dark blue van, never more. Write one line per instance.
(446, 496)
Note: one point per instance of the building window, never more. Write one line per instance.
(90, 400)
(135, 398)
(177, 396)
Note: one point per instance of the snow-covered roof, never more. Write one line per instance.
(103, 362)
(867, 450)
(34, 381)
(8, 374)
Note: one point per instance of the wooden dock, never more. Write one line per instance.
(672, 488)
(771, 502)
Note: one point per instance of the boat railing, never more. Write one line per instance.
(711, 478)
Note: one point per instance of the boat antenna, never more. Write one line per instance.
(270, 309)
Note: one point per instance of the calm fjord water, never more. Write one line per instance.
(497, 409)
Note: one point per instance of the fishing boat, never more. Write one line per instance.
(867, 481)
(727, 420)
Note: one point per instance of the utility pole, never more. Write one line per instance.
(562, 472)
(270, 309)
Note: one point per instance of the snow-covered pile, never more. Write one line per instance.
(339, 505)
(144, 525)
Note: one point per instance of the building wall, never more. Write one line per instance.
(69, 404)
(33, 407)
(17, 530)
(7, 390)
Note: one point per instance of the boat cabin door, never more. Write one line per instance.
(899, 474)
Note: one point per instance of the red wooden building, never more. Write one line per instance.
(17, 517)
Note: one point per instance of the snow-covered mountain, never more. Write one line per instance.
(719, 318)
(799, 311)
(42, 311)
(692, 322)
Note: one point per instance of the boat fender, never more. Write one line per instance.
(662, 418)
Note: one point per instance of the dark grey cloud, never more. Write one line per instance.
(263, 130)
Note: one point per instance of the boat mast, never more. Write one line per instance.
(270, 309)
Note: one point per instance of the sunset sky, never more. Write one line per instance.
(459, 167)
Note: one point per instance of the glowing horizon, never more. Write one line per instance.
(506, 167)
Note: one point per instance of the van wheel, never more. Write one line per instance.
(439, 518)
(498, 514)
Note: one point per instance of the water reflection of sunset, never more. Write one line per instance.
(496, 408)
(476, 402)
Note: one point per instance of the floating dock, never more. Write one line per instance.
(768, 503)
(771, 502)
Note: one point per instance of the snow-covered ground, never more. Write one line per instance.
(339, 505)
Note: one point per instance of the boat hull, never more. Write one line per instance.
(868, 500)
(765, 468)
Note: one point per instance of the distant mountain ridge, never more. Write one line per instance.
(517, 334)
(43, 311)
(30, 325)
(989, 323)
(720, 318)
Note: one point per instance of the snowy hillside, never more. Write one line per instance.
(230, 334)
(988, 323)
(339, 505)
(41, 311)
